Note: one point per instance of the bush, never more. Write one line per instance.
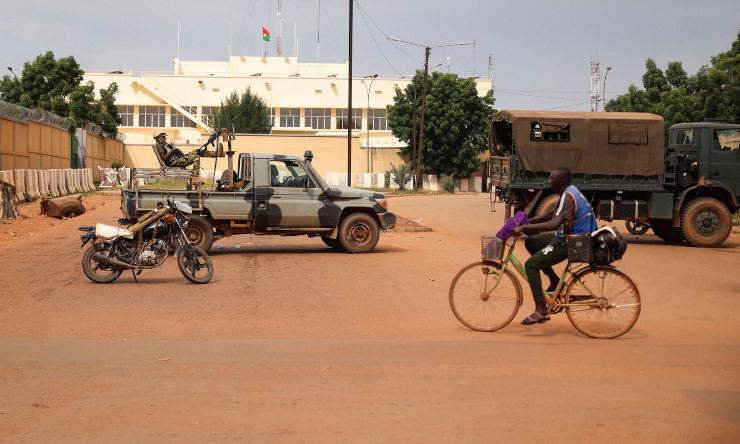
(401, 175)
(116, 164)
(447, 183)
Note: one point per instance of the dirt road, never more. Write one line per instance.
(294, 342)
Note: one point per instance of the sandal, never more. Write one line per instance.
(535, 318)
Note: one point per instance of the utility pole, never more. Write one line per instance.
(413, 134)
(367, 123)
(603, 89)
(427, 51)
(350, 120)
(424, 91)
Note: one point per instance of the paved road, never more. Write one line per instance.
(293, 342)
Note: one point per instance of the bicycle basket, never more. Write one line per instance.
(579, 248)
(492, 248)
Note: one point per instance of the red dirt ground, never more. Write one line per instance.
(294, 342)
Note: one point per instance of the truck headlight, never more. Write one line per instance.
(382, 202)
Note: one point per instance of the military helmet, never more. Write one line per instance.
(160, 134)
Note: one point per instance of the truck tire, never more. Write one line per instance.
(664, 229)
(331, 243)
(706, 222)
(547, 204)
(200, 232)
(358, 233)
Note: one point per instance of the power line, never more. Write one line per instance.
(517, 93)
(377, 45)
(395, 45)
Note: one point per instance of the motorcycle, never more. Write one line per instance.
(144, 245)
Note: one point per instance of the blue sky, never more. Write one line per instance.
(541, 49)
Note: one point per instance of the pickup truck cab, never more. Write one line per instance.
(275, 195)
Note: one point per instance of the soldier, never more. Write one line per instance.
(173, 157)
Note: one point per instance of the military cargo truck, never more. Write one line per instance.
(685, 190)
(274, 195)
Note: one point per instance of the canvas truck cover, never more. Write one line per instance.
(587, 143)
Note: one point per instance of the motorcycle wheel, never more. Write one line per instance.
(93, 269)
(194, 263)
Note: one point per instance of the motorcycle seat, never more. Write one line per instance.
(109, 232)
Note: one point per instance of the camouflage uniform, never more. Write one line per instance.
(191, 158)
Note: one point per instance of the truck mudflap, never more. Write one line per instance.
(387, 220)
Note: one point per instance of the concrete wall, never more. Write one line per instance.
(36, 146)
(33, 145)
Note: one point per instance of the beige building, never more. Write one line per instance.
(304, 99)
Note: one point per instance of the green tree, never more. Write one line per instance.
(456, 122)
(713, 92)
(56, 86)
(252, 115)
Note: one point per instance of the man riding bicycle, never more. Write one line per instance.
(572, 216)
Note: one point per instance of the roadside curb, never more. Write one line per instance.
(417, 229)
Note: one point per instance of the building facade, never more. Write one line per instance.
(303, 98)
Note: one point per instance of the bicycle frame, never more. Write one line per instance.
(567, 275)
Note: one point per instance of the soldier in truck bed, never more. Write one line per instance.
(173, 157)
(572, 216)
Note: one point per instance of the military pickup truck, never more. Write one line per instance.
(275, 195)
(685, 190)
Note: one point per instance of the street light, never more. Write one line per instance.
(368, 87)
(427, 51)
(603, 88)
(10, 68)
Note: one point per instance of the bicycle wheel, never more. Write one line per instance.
(482, 298)
(606, 303)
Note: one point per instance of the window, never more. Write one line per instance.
(178, 120)
(628, 134)
(684, 137)
(342, 118)
(727, 140)
(377, 120)
(550, 131)
(151, 116)
(318, 118)
(288, 174)
(272, 117)
(290, 117)
(207, 114)
(127, 114)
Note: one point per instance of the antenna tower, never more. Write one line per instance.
(595, 79)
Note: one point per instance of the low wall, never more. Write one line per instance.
(34, 184)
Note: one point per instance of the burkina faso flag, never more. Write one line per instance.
(265, 34)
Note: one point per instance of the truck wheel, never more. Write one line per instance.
(331, 242)
(200, 232)
(664, 229)
(706, 222)
(358, 233)
(547, 205)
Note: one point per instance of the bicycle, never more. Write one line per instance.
(600, 301)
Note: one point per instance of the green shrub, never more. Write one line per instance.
(447, 183)
(401, 175)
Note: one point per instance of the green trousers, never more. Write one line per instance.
(192, 158)
(546, 250)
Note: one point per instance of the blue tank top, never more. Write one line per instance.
(584, 221)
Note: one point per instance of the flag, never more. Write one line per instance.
(265, 34)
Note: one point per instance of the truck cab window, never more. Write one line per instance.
(550, 131)
(684, 137)
(727, 140)
(289, 174)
